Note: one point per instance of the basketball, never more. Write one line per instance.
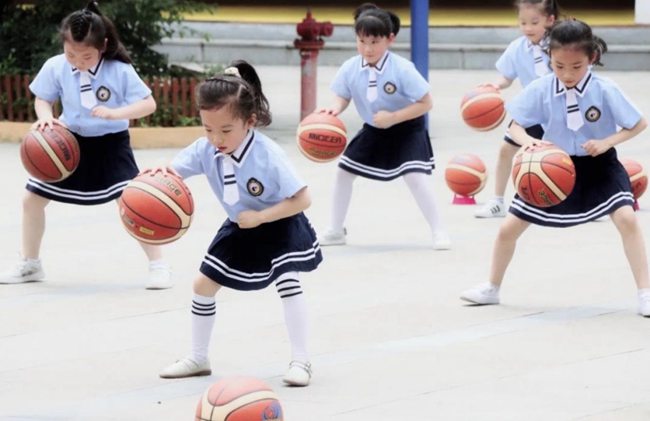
(638, 177)
(51, 155)
(156, 209)
(466, 174)
(482, 108)
(543, 175)
(239, 399)
(321, 137)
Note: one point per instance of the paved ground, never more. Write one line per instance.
(390, 338)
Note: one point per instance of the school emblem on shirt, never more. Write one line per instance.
(254, 187)
(592, 114)
(390, 88)
(103, 94)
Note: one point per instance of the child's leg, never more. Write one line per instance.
(33, 224)
(633, 244)
(341, 198)
(504, 247)
(495, 207)
(421, 188)
(295, 317)
(203, 316)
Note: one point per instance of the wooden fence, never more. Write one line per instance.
(174, 97)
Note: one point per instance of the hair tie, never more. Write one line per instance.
(232, 71)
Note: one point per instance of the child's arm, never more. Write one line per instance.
(138, 109)
(596, 147)
(383, 119)
(288, 207)
(340, 104)
(44, 115)
(519, 134)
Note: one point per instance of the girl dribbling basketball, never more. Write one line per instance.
(392, 98)
(524, 59)
(266, 238)
(100, 92)
(581, 113)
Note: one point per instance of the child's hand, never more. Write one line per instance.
(489, 85)
(104, 112)
(249, 219)
(596, 147)
(331, 111)
(383, 119)
(41, 124)
(164, 170)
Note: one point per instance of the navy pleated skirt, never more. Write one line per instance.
(250, 259)
(602, 186)
(385, 154)
(106, 165)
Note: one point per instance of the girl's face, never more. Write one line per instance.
(570, 64)
(81, 56)
(533, 22)
(373, 48)
(224, 131)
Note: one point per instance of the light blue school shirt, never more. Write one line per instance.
(114, 83)
(604, 109)
(263, 172)
(399, 84)
(518, 61)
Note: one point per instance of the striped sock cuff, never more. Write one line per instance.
(288, 288)
(203, 306)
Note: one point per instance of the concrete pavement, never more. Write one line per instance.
(390, 339)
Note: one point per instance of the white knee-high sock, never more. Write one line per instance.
(203, 315)
(422, 190)
(341, 198)
(295, 314)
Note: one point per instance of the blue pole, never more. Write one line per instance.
(420, 39)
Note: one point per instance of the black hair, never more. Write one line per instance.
(90, 27)
(577, 35)
(370, 20)
(548, 7)
(241, 90)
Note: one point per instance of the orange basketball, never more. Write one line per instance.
(638, 177)
(543, 175)
(156, 209)
(482, 108)
(321, 137)
(51, 155)
(239, 399)
(466, 174)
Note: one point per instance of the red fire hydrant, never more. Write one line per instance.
(309, 44)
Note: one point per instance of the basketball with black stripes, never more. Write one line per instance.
(239, 399)
(543, 175)
(50, 155)
(321, 137)
(482, 108)
(638, 177)
(466, 174)
(156, 208)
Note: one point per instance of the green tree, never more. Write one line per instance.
(29, 30)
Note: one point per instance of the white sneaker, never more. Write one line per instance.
(186, 367)
(27, 270)
(298, 374)
(160, 276)
(644, 303)
(332, 237)
(441, 240)
(483, 294)
(493, 208)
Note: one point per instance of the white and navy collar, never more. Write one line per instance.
(580, 88)
(543, 43)
(379, 67)
(94, 71)
(241, 153)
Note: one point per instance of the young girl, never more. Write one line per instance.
(392, 98)
(526, 59)
(582, 113)
(99, 91)
(266, 238)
